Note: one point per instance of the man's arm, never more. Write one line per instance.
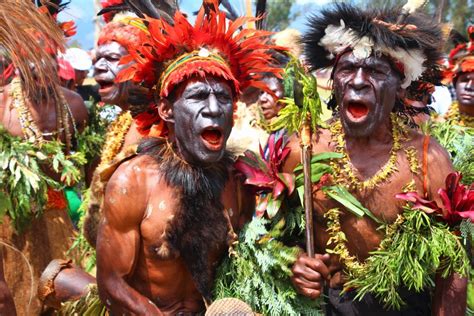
(450, 293)
(118, 240)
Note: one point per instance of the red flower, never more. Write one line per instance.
(264, 173)
(458, 201)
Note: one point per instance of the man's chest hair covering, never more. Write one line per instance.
(199, 226)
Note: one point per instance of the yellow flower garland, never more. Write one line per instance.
(115, 138)
(344, 175)
(343, 169)
(457, 118)
(337, 238)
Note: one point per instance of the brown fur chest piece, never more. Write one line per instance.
(164, 251)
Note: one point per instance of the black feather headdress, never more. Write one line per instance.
(53, 6)
(152, 8)
(411, 40)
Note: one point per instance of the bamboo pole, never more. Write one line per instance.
(308, 192)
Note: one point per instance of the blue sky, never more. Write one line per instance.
(82, 12)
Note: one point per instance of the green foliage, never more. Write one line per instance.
(92, 138)
(88, 305)
(23, 193)
(260, 273)
(279, 14)
(470, 294)
(456, 12)
(90, 143)
(428, 247)
(345, 198)
(459, 142)
(291, 116)
(86, 253)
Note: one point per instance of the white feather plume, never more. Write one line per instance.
(413, 5)
(339, 37)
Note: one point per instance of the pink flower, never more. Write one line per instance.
(265, 174)
(458, 201)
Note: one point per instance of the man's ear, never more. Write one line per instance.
(165, 110)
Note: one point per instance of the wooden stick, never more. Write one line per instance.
(308, 192)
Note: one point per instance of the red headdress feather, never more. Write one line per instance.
(212, 46)
(109, 3)
(461, 58)
(122, 32)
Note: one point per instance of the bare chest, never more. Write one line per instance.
(362, 233)
(44, 117)
(162, 216)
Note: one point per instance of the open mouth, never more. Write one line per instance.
(357, 110)
(213, 138)
(104, 85)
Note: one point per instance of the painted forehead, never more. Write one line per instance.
(111, 47)
(205, 84)
(372, 60)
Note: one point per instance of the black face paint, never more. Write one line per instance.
(203, 114)
(365, 91)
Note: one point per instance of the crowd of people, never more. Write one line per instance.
(215, 168)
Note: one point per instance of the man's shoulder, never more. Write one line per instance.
(427, 144)
(139, 167)
(127, 191)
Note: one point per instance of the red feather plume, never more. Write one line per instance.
(461, 58)
(246, 53)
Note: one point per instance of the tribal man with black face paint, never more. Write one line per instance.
(461, 73)
(375, 55)
(170, 212)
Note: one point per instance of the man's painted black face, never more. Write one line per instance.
(465, 88)
(106, 68)
(365, 91)
(203, 115)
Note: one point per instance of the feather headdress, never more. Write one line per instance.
(461, 57)
(408, 38)
(213, 46)
(53, 8)
(24, 35)
(128, 31)
(153, 8)
(124, 25)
